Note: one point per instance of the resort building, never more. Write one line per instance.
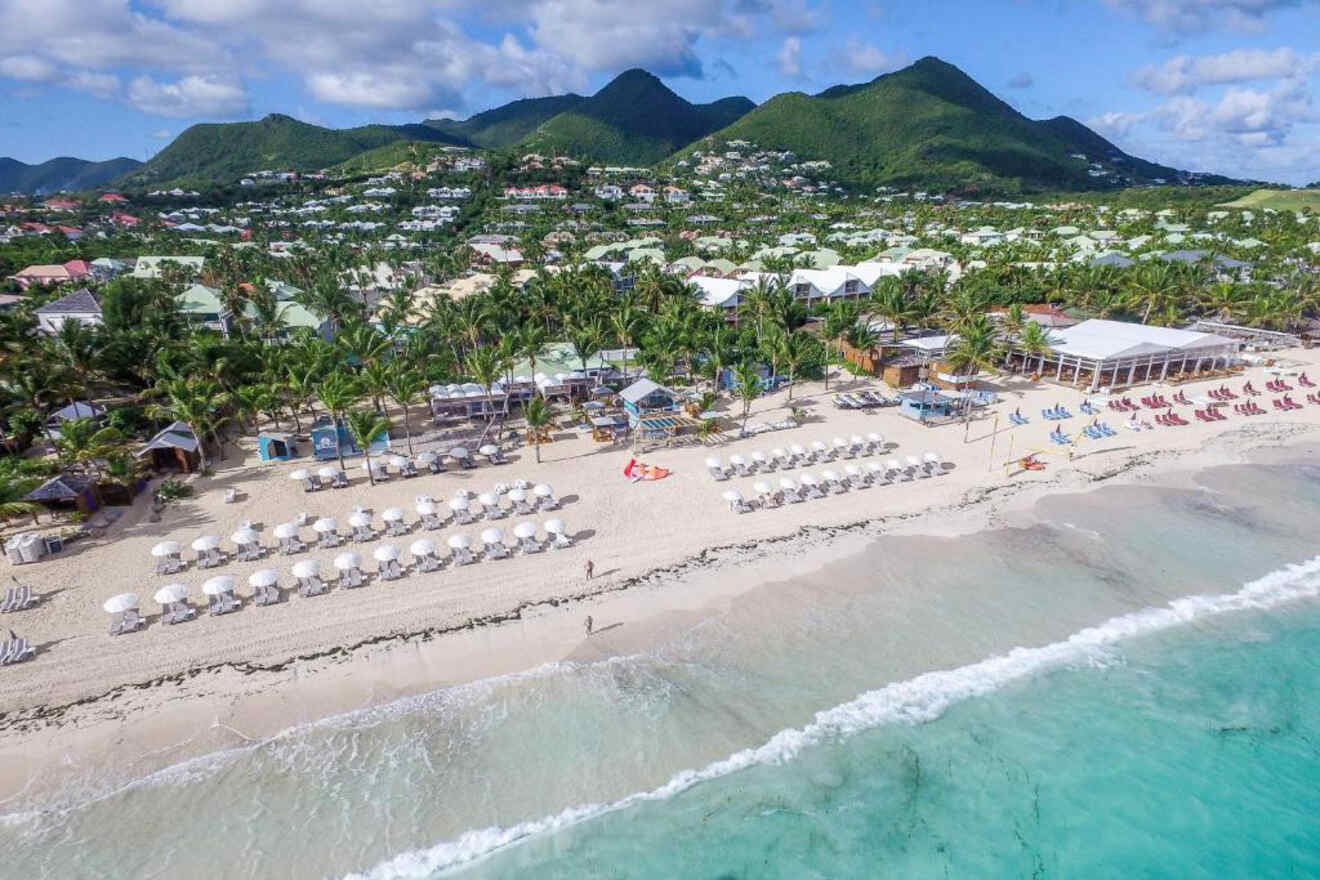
(1113, 354)
(81, 306)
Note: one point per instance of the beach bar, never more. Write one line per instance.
(1113, 354)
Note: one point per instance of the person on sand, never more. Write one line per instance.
(591, 569)
(589, 624)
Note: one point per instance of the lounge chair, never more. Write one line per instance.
(171, 564)
(716, 469)
(409, 470)
(561, 541)
(397, 528)
(268, 595)
(326, 540)
(126, 622)
(363, 534)
(18, 597)
(224, 603)
(311, 586)
(291, 546)
(340, 481)
(432, 521)
(464, 515)
(350, 578)
(178, 612)
(461, 556)
(496, 550)
(436, 466)
(15, 651)
(429, 562)
(390, 570)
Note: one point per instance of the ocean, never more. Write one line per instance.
(1123, 687)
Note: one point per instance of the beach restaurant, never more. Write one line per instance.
(1099, 353)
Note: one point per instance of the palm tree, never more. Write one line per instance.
(366, 427)
(1153, 289)
(890, 303)
(975, 349)
(486, 366)
(1034, 341)
(747, 384)
(838, 321)
(374, 379)
(76, 345)
(198, 403)
(405, 387)
(337, 394)
(585, 339)
(83, 441)
(539, 415)
(531, 340)
(794, 349)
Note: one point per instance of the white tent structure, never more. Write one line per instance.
(1116, 353)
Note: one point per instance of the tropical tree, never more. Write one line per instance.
(405, 387)
(83, 441)
(198, 403)
(794, 349)
(538, 414)
(338, 393)
(366, 427)
(486, 366)
(747, 385)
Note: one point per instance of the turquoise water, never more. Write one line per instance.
(1195, 754)
(872, 719)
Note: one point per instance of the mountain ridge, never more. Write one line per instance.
(61, 173)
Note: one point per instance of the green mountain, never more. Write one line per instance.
(224, 152)
(505, 125)
(634, 120)
(932, 126)
(64, 173)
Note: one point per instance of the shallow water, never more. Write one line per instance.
(1154, 745)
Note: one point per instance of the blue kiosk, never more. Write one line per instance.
(329, 439)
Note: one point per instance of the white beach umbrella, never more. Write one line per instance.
(171, 593)
(830, 475)
(808, 479)
(298, 474)
(877, 439)
(221, 583)
(463, 493)
(840, 443)
(932, 458)
(492, 536)
(325, 525)
(347, 561)
(392, 514)
(553, 526)
(517, 495)
(327, 473)
(285, 530)
(542, 490)
(913, 461)
(459, 542)
(165, 548)
(786, 483)
(852, 470)
(525, 530)
(385, 553)
(359, 519)
(731, 496)
(856, 440)
(263, 577)
(713, 462)
(759, 457)
(458, 452)
(779, 453)
(458, 504)
(206, 542)
(819, 446)
(122, 602)
(876, 467)
(306, 568)
(373, 466)
(893, 465)
(425, 458)
(425, 508)
(488, 449)
(797, 449)
(422, 547)
(760, 487)
(522, 484)
(398, 462)
(737, 460)
(244, 536)
(488, 499)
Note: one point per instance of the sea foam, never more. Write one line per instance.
(915, 701)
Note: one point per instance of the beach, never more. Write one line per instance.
(668, 556)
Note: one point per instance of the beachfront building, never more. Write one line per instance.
(1099, 353)
(173, 449)
(645, 398)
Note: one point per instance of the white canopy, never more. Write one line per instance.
(488, 449)
(488, 499)
(347, 561)
(760, 487)
(425, 458)
(122, 602)
(458, 503)
(392, 514)
(397, 461)
(206, 542)
(808, 479)
(263, 577)
(326, 473)
(525, 530)
(786, 483)
(517, 495)
(458, 452)
(731, 495)
(492, 536)
(325, 524)
(425, 508)
(553, 526)
(171, 593)
(459, 542)
(359, 519)
(305, 568)
(543, 490)
(1102, 340)
(422, 547)
(299, 474)
(165, 548)
(385, 553)
(221, 583)
(285, 530)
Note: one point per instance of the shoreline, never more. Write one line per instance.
(208, 710)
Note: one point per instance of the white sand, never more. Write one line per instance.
(201, 686)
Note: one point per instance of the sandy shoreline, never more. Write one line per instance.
(671, 551)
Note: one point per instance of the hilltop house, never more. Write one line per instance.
(81, 306)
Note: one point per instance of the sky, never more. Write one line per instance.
(1207, 85)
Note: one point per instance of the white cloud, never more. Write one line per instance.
(28, 68)
(1021, 80)
(868, 60)
(788, 60)
(189, 97)
(1184, 74)
(162, 134)
(1196, 16)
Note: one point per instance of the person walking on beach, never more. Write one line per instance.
(591, 569)
(589, 624)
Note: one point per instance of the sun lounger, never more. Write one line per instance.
(291, 546)
(126, 622)
(409, 471)
(311, 586)
(224, 603)
(436, 466)
(15, 651)
(397, 528)
(178, 612)
(390, 570)
(431, 562)
(17, 598)
(363, 534)
(340, 481)
(351, 578)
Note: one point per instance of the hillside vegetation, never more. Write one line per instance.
(930, 125)
(1279, 200)
(225, 152)
(64, 173)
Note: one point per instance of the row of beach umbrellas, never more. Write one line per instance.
(796, 455)
(853, 477)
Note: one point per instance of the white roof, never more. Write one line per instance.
(718, 292)
(929, 343)
(1105, 340)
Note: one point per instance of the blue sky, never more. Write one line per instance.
(1215, 85)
